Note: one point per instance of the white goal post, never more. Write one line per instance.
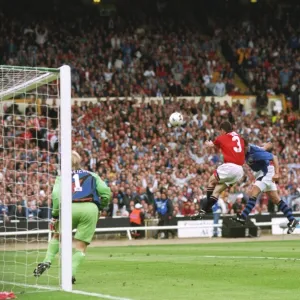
(16, 82)
(66, 171)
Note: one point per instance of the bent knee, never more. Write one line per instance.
(212, 180)
(219, 188)
(274, 197)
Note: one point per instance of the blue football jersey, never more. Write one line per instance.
(84, 187)
(258, 159)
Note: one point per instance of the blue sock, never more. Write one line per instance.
(286, 210)
(247, 210)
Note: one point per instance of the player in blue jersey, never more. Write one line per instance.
(89, 193)
(266, 171)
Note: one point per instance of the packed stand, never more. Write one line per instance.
(140, 157)
(265, 51)
(130, 146)
(120, 56)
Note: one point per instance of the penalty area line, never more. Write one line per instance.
(251, 257)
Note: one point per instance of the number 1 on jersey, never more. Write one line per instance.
(77, 187)
(237, 149)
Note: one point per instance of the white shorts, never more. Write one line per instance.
(229, 173)
(265, 184)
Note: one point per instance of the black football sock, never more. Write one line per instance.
(209, 192)
(210, 203)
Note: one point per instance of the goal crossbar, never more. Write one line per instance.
(11, 85)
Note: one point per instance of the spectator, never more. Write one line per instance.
(237, 207)
(219, 89)
(261, 101)
(3, 211)
(137, 220)
(164, 209)
(113, 208)
(187, 210)
(41, 36)
(20, 213)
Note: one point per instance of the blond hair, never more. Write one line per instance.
(76, 160)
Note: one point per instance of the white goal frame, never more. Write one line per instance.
(13, 87)
(66, 183)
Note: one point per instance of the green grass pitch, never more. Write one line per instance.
(171, 272)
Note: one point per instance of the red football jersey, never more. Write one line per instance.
(232, 147)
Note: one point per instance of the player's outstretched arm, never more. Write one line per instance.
(267, 146)
(276, 177)
(209, 144)
(103, 190)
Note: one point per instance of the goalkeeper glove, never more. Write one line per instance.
(53, 224)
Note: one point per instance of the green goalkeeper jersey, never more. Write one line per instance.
(86, 187)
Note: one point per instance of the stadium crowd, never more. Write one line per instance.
(265, 51)
(121, 56)
(134, 150)
(130, 145)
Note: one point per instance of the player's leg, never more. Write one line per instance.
(212, 183)
(215, 188)
(218, 190)
(86, 216)
(242, 217)
(78, 257)
(52, 250)
(209, 203)
(273, 194)
(225, 176)
(257, 188)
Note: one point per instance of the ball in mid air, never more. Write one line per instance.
(176, 119)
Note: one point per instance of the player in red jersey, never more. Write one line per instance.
(231, 171)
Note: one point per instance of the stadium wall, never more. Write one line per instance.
(187, 228)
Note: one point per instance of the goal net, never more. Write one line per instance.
(31, 156)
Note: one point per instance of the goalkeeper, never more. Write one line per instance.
(87, 190)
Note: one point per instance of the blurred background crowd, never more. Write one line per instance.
(167, 53)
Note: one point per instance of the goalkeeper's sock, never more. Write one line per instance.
(53, 248)
(247, 210)
(286, 210)
(77, 259)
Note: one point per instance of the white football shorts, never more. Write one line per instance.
(265, 183)
(229, 173)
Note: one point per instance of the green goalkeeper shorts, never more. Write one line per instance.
(84, 218)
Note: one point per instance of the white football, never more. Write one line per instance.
(176, 119)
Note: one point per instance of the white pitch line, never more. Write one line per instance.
(41, 287)
(99, 295)
(251, 257)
